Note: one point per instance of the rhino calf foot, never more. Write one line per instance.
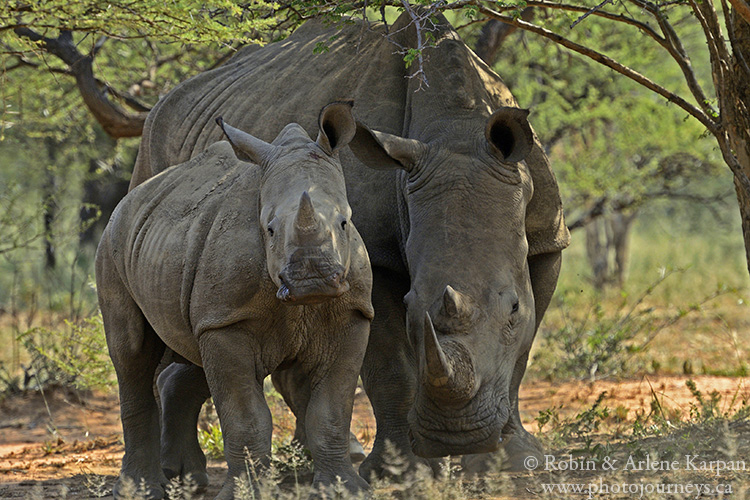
(326, 486)
(196, 478)
(356, 451)
(378, 466)
(188, 464)
(126, 488)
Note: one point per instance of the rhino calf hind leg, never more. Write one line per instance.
(294, 386)
(135, 350)
(183, 390)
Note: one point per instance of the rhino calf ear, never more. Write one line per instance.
(509, 134)
(382, 151)
(245, 145)
(336, 126)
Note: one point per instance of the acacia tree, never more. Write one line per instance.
(723, 112)
(75, 75)
(163, 41)
(722, 109)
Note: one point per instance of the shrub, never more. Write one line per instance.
(73, 356)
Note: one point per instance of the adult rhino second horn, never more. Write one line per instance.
(305, 221)
(437, 368)
(455, 305)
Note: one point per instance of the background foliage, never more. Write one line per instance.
(614, 146)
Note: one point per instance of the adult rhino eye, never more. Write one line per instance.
(343, 225)
(270, 230)
(514, 309)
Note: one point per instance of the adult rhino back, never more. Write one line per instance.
(263, 89)
(459, 210)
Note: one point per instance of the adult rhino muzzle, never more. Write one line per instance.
(435, 431)
(453, 414)
(313, 272)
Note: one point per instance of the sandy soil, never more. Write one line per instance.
(60, 444)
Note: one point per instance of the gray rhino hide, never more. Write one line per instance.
(261, 90)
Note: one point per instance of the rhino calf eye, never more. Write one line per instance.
(514, 309)
(343, 225)
(270, 231)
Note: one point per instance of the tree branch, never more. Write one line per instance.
(600, 58)
(114, 120)
(673, 45)
(670, 41)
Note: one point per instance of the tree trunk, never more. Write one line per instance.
(493, 35)
(50, 204)
(620, 225)
(608, 248)
(102, 191)
(739, 119)
(596, 252)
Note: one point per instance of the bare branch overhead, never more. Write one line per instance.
(114, 119)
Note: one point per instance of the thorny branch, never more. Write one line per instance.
(418, 22)
(669, 41)
(591, 11)
(116, 121)
(699, 114)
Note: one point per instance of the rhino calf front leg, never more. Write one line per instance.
(329, 411)
(236, 384)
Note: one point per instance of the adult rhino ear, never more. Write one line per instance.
(336, 126)
(245, 145)
(383, 151)
(509, 134)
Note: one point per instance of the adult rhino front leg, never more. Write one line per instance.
(518, 443)
(389, 374)
(236, 384)
(183, 390)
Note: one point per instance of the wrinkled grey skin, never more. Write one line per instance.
(459, 210)
(243, 269)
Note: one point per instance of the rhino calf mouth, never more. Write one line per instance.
(311, 291)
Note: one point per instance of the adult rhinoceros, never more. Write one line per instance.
(465, 259)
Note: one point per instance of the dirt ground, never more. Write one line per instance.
(61, 445)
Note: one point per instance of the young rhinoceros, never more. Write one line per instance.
(241, 268)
